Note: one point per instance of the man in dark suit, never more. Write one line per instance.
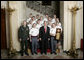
(44, 37)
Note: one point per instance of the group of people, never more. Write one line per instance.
(41, 33)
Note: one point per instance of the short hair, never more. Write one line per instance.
(33, 24)
(50, 16)
(33, 16)
(53, 23)
(30, 13)
(46, 22)
(24, 21)
(38, 20)
(46, 14)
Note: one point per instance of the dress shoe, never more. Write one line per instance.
(21, 54)
(32, 53)
(55, 53)
(41, 52)
(45, 53)
(26, 53)
(51, 52)
(35, 52)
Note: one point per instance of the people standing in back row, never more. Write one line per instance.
(46, 17)
(29, 18)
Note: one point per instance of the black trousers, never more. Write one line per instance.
(44, 46)
(24, 43)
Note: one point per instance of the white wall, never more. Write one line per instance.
(3, 4)
(79, 25)
(16, 19)
(67, 27)
(68, 22)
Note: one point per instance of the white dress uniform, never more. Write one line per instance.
(49, 26)
(45, 19)
(34, 37)
(53, 30)
(34, 32)
(41, 23)
(36, 19)
(53, 41)
(53, 21)
(33, 22)
(28, 19)
(59, 26)
(38, 26)
(30, 26)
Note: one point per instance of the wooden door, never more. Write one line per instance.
(3, 30)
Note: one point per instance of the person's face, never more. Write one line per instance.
(53, 25)
(45, 23)
(54, 16)
(34, 25)
(30, 15)
(57, 20)
(49, 23)
(24, 23)
(41, 17)
(37, 16)
(38, 21)
(47, 16)
(30, 22)
(32, 18)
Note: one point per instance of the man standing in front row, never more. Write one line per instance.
(53, 40)
(23, 34)
(34, 38)
(44, 36)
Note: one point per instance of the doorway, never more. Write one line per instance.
(3, 30)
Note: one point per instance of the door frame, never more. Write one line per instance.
(4, 12)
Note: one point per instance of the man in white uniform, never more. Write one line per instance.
(30, 25)
(34, 32)
(38, 24)
(57, 20)
(38, 27)
(49, 22)
(59, 26)
(53, 41)
(33, 20)
(41, 20)
(37, 17)
(54, 19)
(46, 17)
(30, 15)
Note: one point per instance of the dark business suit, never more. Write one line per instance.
(44, 38)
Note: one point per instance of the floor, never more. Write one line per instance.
(60, 55)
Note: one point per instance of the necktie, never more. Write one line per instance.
(45, 29)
